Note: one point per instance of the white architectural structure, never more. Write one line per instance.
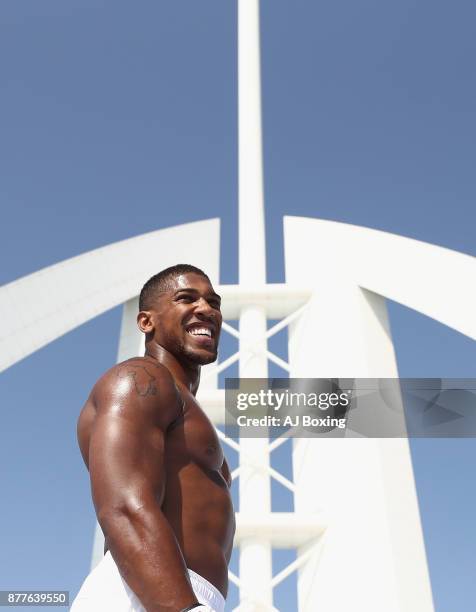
(356, 523)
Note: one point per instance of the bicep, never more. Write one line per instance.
(126, 465)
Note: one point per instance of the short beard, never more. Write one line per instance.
(192, 357)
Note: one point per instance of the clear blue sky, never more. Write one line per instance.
(118, 118)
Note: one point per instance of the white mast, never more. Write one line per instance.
(254, 485)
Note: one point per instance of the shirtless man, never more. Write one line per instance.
(160, 482)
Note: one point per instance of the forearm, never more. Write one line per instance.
(149, 558)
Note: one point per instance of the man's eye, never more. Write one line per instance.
(185, 298)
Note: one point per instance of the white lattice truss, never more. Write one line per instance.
(312, 528)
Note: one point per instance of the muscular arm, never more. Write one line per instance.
(135, 405)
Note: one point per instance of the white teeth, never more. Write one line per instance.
(200, 331)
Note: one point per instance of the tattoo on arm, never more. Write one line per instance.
(144, 381)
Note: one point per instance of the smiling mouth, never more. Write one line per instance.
(203, 333)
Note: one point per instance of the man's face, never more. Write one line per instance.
(188, 319)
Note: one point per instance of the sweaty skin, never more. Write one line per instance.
(160, 483)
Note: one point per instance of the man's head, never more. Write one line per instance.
(180, 311)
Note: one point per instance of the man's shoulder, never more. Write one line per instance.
(142, 379)
(145, 374)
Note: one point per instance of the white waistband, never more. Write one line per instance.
(206, 593)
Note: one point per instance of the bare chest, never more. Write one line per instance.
(195, 436)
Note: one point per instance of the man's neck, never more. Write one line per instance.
(187, 375)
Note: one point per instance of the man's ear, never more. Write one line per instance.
(144, 321)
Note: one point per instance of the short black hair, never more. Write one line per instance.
(161, 282)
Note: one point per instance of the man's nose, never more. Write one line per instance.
(203, 307)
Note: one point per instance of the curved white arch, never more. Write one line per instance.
(40, 307)
(433, 280)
